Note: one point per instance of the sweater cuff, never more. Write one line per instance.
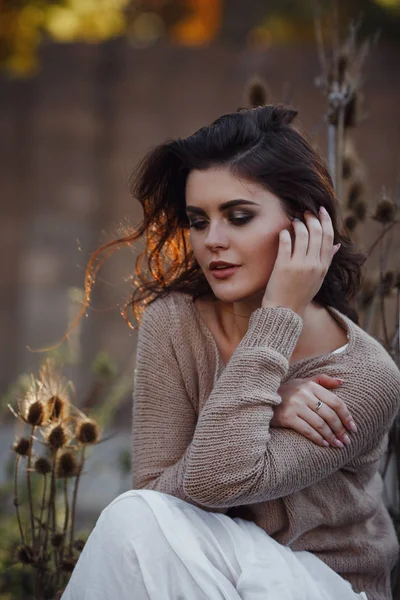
(278, 328)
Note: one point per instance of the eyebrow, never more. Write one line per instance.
(223, 206)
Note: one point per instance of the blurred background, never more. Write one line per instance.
(86, 88)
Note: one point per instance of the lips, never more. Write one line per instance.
(220, 264)
(225, 272)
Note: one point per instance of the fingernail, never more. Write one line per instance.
(340, 380)
(338, 443)
(346, 439)
(323, 210)
(325, 443)
(353, 426)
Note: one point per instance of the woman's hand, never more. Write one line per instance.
(298, 276)
(297, 411)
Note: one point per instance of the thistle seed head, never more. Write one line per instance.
(66, 465)
(22, 446)
(57, 437)
(367, 292)
(87, 432)
(360, 210)
(387, 283)
(42, 465)
(79, 545)
(257, 92)
(350, 222)
(355, 193)
(25, 555)
(57, 407)
(68, 564)
(385, 211)
(36, 414)
(57, 540)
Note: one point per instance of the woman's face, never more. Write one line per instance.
(236, 221)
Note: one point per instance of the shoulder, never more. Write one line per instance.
(166, 314)
(375, 375)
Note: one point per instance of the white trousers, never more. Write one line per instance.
(147, 545)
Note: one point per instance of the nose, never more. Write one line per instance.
(216, 237)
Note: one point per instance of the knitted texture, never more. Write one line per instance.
(201, 432)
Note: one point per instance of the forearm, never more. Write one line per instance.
(232, 432)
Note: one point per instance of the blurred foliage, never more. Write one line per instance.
(25, 24)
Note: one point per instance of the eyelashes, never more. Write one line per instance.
(237, 221)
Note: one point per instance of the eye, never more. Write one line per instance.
(197, 224)
(241, 220)
(235, 220)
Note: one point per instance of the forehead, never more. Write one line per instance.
(217, 185)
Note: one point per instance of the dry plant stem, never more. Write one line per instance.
(28, 479)
(50, 504)
(65, 528)
(74, 498)
(398, 326)
(332, 152)
(320, 40)
(41, 525)
(16, 501)
(380, 236)
(339, 153)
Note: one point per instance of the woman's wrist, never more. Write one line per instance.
(272, 304)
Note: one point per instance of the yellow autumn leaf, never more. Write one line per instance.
(62, 23)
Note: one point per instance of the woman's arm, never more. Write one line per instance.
(235, 458)
(164, 418)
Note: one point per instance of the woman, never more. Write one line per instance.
(250, 478)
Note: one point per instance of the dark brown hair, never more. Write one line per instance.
(258, 144)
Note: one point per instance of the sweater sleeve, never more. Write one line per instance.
(236, 459)
(164, 418)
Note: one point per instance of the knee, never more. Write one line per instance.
(128, 516)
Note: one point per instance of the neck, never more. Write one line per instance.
(234, 318)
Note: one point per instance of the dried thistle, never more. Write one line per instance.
(360, 210)
(58, 408)
(57, 436)
(66, 464)
(22, 446)
(57, 540)
(387, 283)
(42, 465)
(356, 193)
(256, 92)
(350, 222)
(68, 564)
(79, 545)
(385, 211)
(56, 390)
(31, 409)
(25, 555)
(368, 291)
(87, 431)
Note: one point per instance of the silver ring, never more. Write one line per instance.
(319, 404)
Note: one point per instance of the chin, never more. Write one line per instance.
(234, 294)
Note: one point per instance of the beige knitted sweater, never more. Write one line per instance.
(201, 432)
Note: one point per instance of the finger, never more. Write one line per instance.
(301, 239)
(326, 380)
(309, 432)
(321, 424)
(327, 237)
(335, 403)
(315, 236)
(284, 248)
